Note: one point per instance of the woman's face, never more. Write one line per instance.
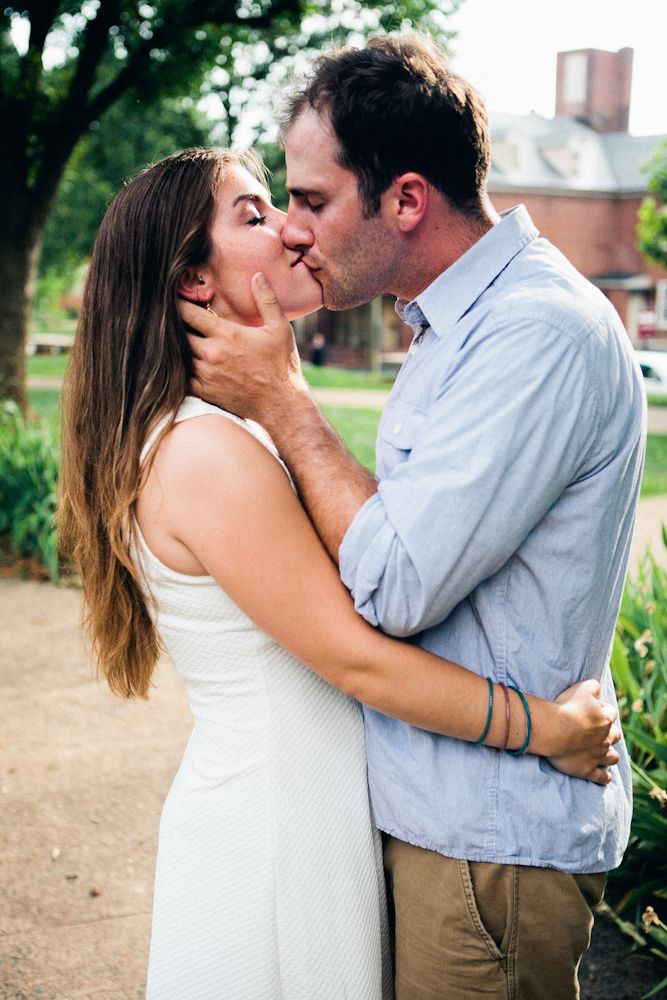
(247, 237)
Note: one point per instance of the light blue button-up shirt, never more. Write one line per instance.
(510, 456)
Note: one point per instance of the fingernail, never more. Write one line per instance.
(261, 281)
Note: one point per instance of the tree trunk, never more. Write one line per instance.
(18, 266)
(24, 217)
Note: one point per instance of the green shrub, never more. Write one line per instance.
(48, 315)
(29, 457)
(639, 665)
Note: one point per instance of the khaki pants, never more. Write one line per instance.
(465, 929)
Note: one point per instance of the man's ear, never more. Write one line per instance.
(194, 286)
(406, 200)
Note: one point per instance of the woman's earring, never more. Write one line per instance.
(200, 281)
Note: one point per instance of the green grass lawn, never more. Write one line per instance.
(345, 378)
(44, 402)
(358, 429)
(657, 400)
(655, 471)
(46, 365)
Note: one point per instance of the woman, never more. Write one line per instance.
(189, 534)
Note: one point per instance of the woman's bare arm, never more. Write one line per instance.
(217, 502)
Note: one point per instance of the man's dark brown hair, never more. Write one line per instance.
(396, 106)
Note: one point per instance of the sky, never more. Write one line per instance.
(507, 49)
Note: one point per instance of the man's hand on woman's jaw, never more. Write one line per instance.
(254, 372)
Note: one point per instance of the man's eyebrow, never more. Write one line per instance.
(304, 192)
(255, 198)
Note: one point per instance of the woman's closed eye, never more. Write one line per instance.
(257, 220)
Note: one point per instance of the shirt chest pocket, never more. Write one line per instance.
(400, 429)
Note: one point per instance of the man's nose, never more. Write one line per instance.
(296, 234)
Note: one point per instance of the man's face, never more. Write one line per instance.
(351, 257)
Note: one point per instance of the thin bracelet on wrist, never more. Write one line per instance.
(485, 733)
(508, 716)
(529, 726)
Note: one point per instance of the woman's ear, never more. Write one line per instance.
(195, 287)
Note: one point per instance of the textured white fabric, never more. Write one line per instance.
(269, 877)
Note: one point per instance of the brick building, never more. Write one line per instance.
(581, 177)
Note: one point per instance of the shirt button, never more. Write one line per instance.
(396, 429)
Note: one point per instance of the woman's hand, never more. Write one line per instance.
(587, 733)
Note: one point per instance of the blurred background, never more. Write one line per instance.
(91, 91)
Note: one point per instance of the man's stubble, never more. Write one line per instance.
(366, 266)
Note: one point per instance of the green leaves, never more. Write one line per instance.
(620, 665)
(652, 217)
(639, 666)
(62, 65)
(99, 168)
(29, 457)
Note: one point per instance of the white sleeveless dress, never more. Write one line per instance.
(269, 881)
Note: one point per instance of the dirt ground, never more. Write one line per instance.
(82, 780)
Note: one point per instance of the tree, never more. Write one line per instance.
(652, 226)
(99, 167)
(65, 63)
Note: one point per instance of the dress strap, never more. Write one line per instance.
(192, 406)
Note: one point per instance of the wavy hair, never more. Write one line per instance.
(130, 368)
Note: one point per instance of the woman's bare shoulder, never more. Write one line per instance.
(209, 474)
(212, 460)
(210, 440)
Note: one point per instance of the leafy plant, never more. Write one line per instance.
(639, 665)
(652, 218)
(29, 457)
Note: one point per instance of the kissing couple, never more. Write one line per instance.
(405, 776)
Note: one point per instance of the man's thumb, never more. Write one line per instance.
(265, 299)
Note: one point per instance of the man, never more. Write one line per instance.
(509, 462)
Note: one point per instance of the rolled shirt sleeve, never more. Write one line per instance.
(512, 424)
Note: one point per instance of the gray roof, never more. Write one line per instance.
(628, 154)
(562, 154)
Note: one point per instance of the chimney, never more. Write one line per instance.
(593, 86)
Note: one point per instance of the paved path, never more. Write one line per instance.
(44, 382)
(657, 419)
(82, 779)
(362, 399)
(374, 399)
(648, 530)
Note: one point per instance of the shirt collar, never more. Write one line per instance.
(450, 295)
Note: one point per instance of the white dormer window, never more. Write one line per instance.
(565, 160)
(505, 155)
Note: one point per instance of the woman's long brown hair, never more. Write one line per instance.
(130, 368)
